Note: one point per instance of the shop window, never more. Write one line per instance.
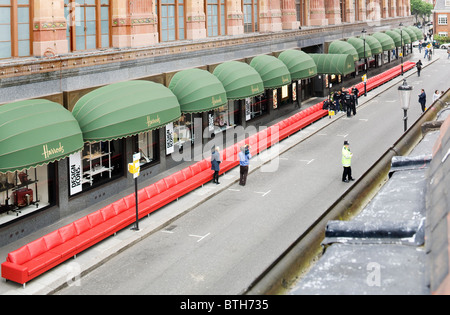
(24, 192)
(256, 106)
(148, 147)
(97, 164)
(15, 32)
(183, 130)
(226, 116)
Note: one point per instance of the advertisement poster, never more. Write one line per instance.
(75, 173)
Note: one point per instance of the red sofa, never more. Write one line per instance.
(46, 252)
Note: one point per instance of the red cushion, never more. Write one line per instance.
(53, 239)
(161, 186)
(95, 218)
(120, 205)
(170, 181)
(187, 172)
(151, 191)
(37, 247)
(142, 195)
(130, 201)
(20, 256)
(195, 169)
(108, 212)
(179, 177)
(67, 232)
(82, 225)
(44, 260)
(68, 248)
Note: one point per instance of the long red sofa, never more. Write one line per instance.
(48, 251)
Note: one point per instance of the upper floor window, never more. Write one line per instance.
(15, 28)
(442, 19)
(171, 19)
(88, 24)
(250, 10)
(216, 14)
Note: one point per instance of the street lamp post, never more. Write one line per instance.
(401, 36)
(405, 91)
(365, 60)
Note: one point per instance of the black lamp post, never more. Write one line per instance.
(365, 60)
(404, 92)
(401, 36)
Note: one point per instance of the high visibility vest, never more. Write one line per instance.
(346, 157)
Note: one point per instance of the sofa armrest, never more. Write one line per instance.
(14, 272)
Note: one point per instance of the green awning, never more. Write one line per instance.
(197, 90)
(334, 63)
(359, 46)
(386, 41)
(36, 132)
(374, 44)
(403, 34)
(343, 48)
(417, 31)
(299, 63)
(272, 70)
(411, 34)
(395, 37)
(125, 109)
(239, 80)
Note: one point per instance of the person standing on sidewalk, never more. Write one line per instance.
(347, 163)
(244, 160)
(419, 67)
(215, 165)
(422, 99)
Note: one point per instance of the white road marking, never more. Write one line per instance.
(199, 236)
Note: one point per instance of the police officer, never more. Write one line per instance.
(348, 100)
(347, 163)
(355, 92)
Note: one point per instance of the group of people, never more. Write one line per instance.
(423, 98)
(342, 100)
(244, 157)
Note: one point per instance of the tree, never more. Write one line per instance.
(421, 9)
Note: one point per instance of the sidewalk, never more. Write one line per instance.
(67, 273)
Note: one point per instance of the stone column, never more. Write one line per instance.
(134, 23)
(349, 11)
(289, 15)
(333, 12)
(317, 15)
(49, 28)
(269, 16)
(195, 19)
(235, 17)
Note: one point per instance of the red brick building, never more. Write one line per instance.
(441, 17)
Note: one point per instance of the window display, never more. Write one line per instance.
(183, 129)
(148, 147)
(96, 164)
(226, 116)
(23, 192)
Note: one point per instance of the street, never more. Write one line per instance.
(224, 244)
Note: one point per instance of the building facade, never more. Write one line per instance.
(56, 27)
(67, 52)
(441, 18)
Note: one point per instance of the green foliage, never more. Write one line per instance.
(421, 9)
(442, 39)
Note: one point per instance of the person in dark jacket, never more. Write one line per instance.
(419, 67)
(422, 99)
(215, 164)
